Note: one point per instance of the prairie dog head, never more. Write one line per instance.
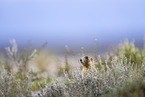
(86, 61)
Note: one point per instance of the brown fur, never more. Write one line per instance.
(87, 63)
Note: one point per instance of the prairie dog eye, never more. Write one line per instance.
(86, 57)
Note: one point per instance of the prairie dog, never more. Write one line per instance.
(88, 63)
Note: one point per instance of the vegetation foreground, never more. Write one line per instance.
(120, 73)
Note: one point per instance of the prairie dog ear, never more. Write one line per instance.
(92, 59)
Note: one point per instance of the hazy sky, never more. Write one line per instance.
(63, 21)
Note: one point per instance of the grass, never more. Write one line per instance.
(35, 73)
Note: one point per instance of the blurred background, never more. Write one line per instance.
(76, 23)
(71, 29)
